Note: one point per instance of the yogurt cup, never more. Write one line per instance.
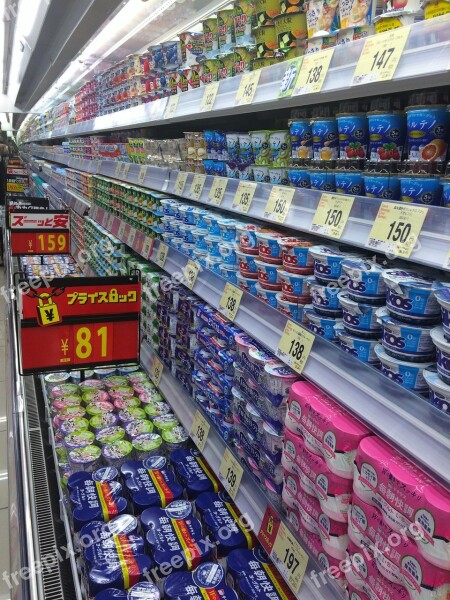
(228, 229)
(301, 139)
(247, 284)
(349, 182)
(63, 389)
(294, 286)
(75, 424)
(267, 296)
(102, 420)
(290, 308)
(269, 247)
(410, 296)
(131, 414)
(87, 458)
(79, 439)
(272, 441)
(363, 349)
(261, 173)
(406, 341)
(322, 18)
(247, 265)
(229, 272)
(442, 353)
(261, 147)
(328, 262)
(381, 185)
(227, 251)
(248, 242)
(53, 379)
(276, 380)
(359, 319)
(268, 275)
(321, 325)
(427, 131)
(146, 444)
(116, 453)
(325, 299)
(421, 189)
(108, 435)
(387, 132)
(325, 134)
(442, 295)
(365, 282)
(299, 177)
(439, 391)
(408, 374)
(296, 255)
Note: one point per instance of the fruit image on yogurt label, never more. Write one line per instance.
(427, 133)
(386, 136)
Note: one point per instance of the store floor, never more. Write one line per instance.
(4, 512)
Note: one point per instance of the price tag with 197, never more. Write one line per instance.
(217, 190)
(332, 215)
(247, 88)
(279, 203)
(156, 370)
(209, 96)
(180, 183)
(289, 557)
(230, 473)
(230, 301)
(244, 196)
(313, 72)
(161, 254)
(200, 430)
(295, 346)
(197, 185)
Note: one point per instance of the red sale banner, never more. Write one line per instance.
(33, 232)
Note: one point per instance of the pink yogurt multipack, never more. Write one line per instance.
(405, 496)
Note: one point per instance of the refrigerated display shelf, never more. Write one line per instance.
(76, 202)
(432, 249)
(396, 414)
(423, 64)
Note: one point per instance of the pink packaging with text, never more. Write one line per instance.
(330, 565)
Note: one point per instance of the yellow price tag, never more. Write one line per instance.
(289, 558)
(180, 183)
(295, 345)
(279, 203)
(244, 196)
(156, 370)
(397, 228)
(121, 232)
(142, 174)
(147, 248)
(161, 255)
(332, 215)
(118, 169)
(200, 430)
(209, 96)
(190, 272)
(171, 108)
(380, 56)
(126, 170)
(110, 222)
(313, 72)
(131, 236)
(197, 186)
(247, 88)
(230, 301)
(217, 190)
(230, 473)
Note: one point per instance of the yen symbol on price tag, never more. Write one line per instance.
(171, 107)
(247, 88)
(142, 174)
(147, 248)
(313, 72)
(230, 473)
(161, 254)
(279, 203)
(126, 170)
(180, 183)
(209, 96)
(380, 56)
(197, 186)
(230, 301)
(217, 190)
(200, 430)
(295, 346)
(156, 370)
(121, 232)
(244, 196)
(118, 169)
(190, 272)
(131, 236)
(332, 215)
(289, 557)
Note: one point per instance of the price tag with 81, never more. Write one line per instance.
(244, 196)
(230, 301)
(209, 96)
(247, 88)
(180, 183)
(397, 228)
(197, 185)
(332, 215)
(289, 557)
(295, 345)
(156, 370)
(313, 72)
(279, 203)
(161, 255)
(217, 190)
(230, 473)
(200, 430)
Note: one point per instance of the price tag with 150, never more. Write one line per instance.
(295, 346)
(230, 473)
(200, 430)
(332, 215)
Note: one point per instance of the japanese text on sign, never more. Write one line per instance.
(39, 221)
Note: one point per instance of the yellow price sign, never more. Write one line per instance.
(171, 108)
(295, 346)
(126, 170)
(332, 215)
(230, 301)
(289, 558)
(200, 430)
(118, 169)
(131, 237)
(244, 196)
(156, 370)
(190, 272)
(230, 473)
(279, 203)
(217, 191)
(121, 232)
(397, 228)
(142, 174)
(209, 96)
(313, 72)
(161, 254)
(247, 88)
(197, 186)
(180, 183)
(147, 248)
(380, 56)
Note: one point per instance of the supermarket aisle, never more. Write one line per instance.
(4, 513)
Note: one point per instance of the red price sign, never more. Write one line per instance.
(80, 322)
(35, 232)
(40, 243)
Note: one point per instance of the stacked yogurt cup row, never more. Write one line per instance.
(375, 516)
(50, 266)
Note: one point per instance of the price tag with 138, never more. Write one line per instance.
(396, 228)
(209, 96)
(180, 183)
(161, 255)
(217, 190)
(244, 196)
(156, 370)
(295, 346)
(230, 473)
(313, 72)
(197, 185)
(279, 203)
(230, 301)
(289, 557)
(200, 430)
(190, 272)
(332, 215)
(247, 88)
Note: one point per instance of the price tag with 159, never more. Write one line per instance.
(247, 88)
(161, 254)
(180, 183)
(156, 370)
(295, 346)
(332, 215)
(244, 196)
(200, 430)
(197, 185)
(209, 96)
(230, 301)
(217, 190)
(289, 557)
(230, 473)
(279, 203)
(313, 72)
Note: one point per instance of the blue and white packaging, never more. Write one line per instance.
(194, 472)
(207, 581)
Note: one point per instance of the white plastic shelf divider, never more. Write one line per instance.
(424, 63)
(76, 202)
(248, 500)
(396, 414)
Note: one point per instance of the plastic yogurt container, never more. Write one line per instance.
(320, 324)
(269, 247)
(442, 295)
(410, 296)
(247, 284)
(325, 298)
(247, 265)
(103, 420)
(442, 353)
(294, 285)
(363, 349)
(406, 341)
(408, 374)
(276, 380)
(75, 424)
(269, 296)
(268, 275)
(109, 435)
(156, 409)
(439, 391)
(131, 414)
(328, 262)
(175, 438)
(98, 408)
(290, 308)
(116, 453)
(79, 439)
(165, 422)
(358, 318)
(365, 281)
(137, 427)
(87, 458)
(296, 256)
(147, 444)
(95, 396)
